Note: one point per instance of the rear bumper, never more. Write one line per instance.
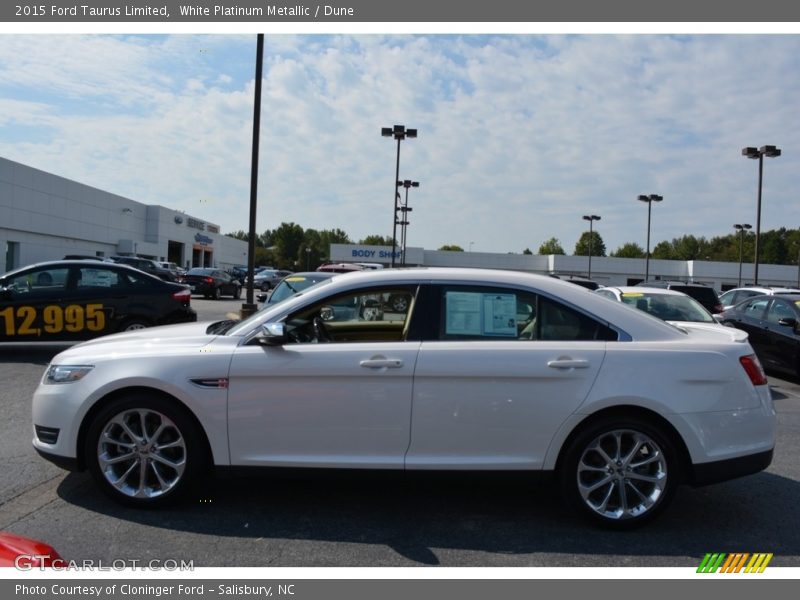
(723, 470)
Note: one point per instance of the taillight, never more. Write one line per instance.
(754, 370)
(183, 295)
(718, 308)
(209, 280)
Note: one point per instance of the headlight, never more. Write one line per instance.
(66, 373)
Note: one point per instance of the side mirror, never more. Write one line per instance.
(272, 334)
(6, 293)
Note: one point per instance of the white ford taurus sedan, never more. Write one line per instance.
(484, 370)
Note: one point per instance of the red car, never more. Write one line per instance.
(24, 553)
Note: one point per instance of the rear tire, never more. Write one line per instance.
(144, 451)
(237, 292)
(620, 472)
(217, 293)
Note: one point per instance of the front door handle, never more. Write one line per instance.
(568, 363)
(382, 363)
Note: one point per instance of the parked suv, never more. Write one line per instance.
(705, 295)
(146, 265)
(736, 295)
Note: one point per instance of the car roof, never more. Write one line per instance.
(72, 262)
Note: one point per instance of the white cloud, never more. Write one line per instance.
(518, 135)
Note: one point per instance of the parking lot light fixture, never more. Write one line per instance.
(404, 210)
(759, 153)
(741, 228)
(649, 199)
(591, 219)
(398, 132)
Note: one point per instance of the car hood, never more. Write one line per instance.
(186, 335)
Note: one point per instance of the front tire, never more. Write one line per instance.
(144, 451)
(217, 293)
(620, 472)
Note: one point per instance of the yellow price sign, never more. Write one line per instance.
(73, 318)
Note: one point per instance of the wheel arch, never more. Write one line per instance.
(122, 392)
(630, 411)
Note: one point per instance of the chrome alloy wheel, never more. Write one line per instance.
(141, 453)
(622, 474)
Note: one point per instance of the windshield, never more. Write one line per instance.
(668, 307)
(293, 285)
(237, 327)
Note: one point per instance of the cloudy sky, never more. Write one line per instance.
(519, 135)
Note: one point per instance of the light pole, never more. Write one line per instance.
(649, 199)
(398, 132)
(591, 219)
(741, 227)
(405, 209)
(308, 258)
(759, 153)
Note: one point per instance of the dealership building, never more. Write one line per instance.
(46, 217)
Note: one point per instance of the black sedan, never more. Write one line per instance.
(773, 324)
(73, 300)
(212, 283)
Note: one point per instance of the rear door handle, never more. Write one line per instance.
(382, 363)
(568, 363)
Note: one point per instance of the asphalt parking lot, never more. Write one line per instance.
(364, 521)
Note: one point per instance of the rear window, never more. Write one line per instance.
(707, 296)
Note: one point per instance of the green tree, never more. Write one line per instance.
(377, 240)
(663, 251)
(527, 251)
(551, 246)
(288, 238)
(629, 250)
(598, 246)
(451, 248)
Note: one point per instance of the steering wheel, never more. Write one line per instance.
(320, 331)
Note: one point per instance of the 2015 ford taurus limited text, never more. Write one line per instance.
(483, 370)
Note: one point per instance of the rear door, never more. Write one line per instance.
(497, 374)
(781, 341)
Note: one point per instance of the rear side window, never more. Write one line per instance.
(507, 314)
(705, 296)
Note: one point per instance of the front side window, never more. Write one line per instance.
(39, 283)
(367, 315)
(780, 310)
(755, 308)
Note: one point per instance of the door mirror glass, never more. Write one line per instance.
(272, 334)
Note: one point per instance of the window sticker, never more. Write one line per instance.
(474, 313)
(463, 310)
